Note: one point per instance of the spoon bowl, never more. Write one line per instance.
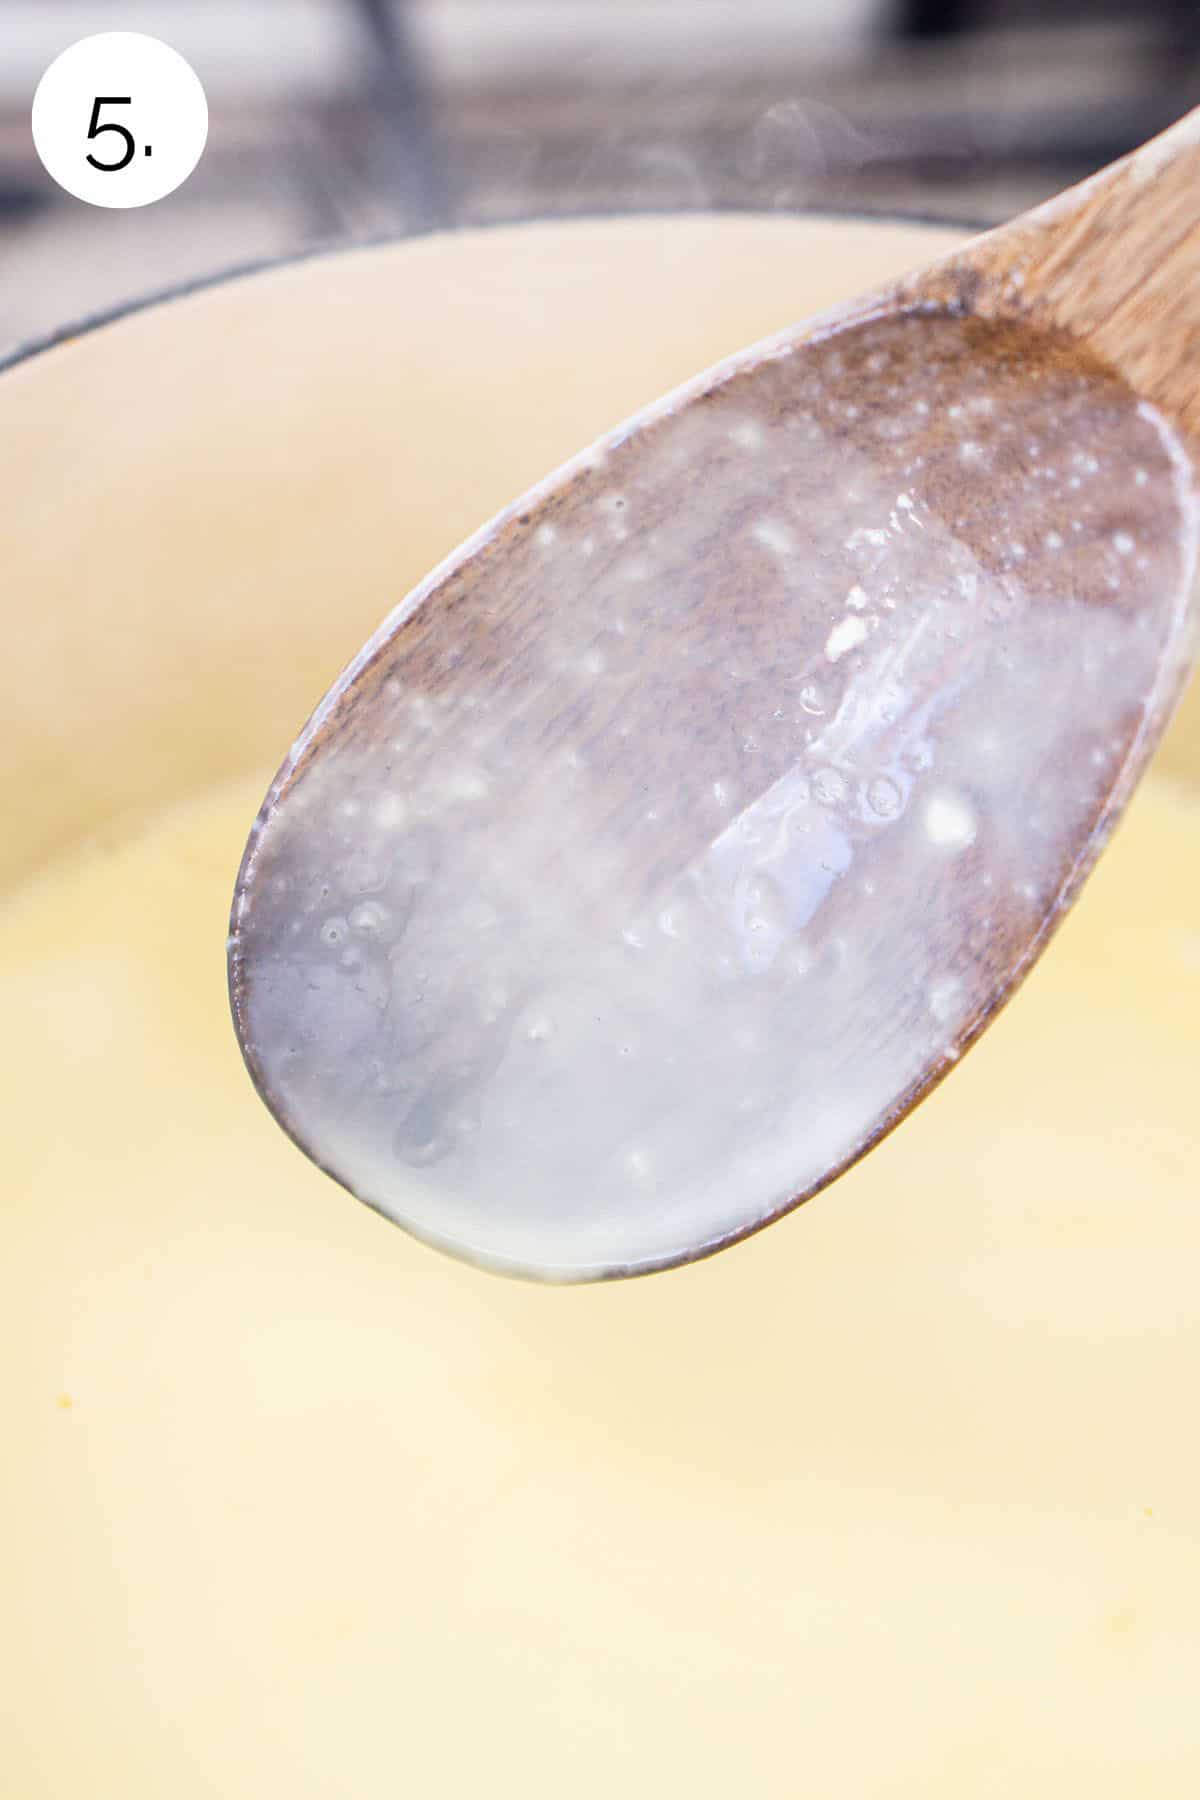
(678, 834)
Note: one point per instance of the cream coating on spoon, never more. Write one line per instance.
(651, 862)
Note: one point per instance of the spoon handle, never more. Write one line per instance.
(1114, 262)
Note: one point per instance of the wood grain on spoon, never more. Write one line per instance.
(675, 837)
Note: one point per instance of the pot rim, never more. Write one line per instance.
(30, 348)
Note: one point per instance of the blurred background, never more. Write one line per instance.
(336, 121)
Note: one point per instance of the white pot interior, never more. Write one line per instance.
(897, 1498)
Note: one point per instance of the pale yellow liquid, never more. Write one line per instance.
(898, 1499)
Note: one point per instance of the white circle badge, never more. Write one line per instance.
(120, 119)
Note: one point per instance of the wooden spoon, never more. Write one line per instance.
(674, 838)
